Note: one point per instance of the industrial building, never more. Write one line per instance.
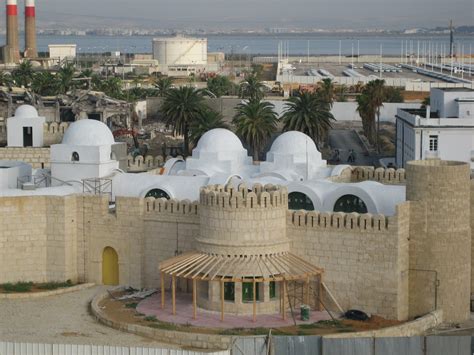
(443, 130)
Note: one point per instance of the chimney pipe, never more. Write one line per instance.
(12, 47)
(31, 50)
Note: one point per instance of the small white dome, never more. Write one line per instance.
(219, 140)
(294, 143)
(89, 133)
(26, 111)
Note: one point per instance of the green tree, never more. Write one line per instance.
(393, 94)
(221, 86)
(66, 78)
(308, 113)
(341, 93)
(367, 114)
(181, 107)
(6, 79)
(252, 88)
(23, 75)
(163, 85)
(326, 92)
(426, 102)
(255, 122)
(204, 122)
(45, 84)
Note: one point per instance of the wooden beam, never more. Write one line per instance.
(284, 301)
(162, 290)
(173, 293)
(254, 301)
(307, 291)
(194, 299)
(222, 301)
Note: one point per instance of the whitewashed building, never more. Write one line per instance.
(25, 128)
(443, 130)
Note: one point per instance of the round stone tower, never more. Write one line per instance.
(440, 236)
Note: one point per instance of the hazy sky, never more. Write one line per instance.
(264, 13)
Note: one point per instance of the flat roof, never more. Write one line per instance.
(456, 89)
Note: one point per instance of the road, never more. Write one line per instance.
(62, 319)
(344, 140)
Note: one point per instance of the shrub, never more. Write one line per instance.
(151, 319)
(131, 305)
(17, 287)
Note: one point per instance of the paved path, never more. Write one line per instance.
(63, 319)
(343, 140)
(151, 306)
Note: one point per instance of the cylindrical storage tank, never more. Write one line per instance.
(440, 235)
(180, 51)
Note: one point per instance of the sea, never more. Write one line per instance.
(249, 44)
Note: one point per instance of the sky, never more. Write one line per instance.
(226, 14)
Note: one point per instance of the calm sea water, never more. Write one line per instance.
(263, 44)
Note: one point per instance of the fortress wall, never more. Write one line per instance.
(34, 156)
(365, 257)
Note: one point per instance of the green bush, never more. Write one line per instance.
(151, 319)
(131, 305)
(55, 285)
(17, 287)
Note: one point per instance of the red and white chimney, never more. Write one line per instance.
(31, 50)
(13, 51)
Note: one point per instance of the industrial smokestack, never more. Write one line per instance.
(31, 50)
(13, 51)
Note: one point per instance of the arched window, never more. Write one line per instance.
(75, 156)
(349, 204)
(300, 201)
(157, 193)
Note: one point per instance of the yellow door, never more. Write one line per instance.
(110, 268)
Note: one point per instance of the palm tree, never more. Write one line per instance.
(255, 122)
(45, 84)
(377, 95)
(164, 84)
(65, 77)
(367, 115)
(252, 88)
(341, 93)
(327, 91)
(6, 79)
(308, 113)
(207, 120)
(23, 75)
(181, 107)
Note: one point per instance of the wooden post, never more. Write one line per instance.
(307, 292)
(254, 301)
(284, 302)
(162, 290)
(173, 293)
(320, 293)
(222, 301)
(194, 298)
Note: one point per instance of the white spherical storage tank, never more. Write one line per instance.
(180, 50)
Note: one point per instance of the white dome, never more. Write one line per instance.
(219, 140)
(26, 111)
(294, 143)
(88, 132)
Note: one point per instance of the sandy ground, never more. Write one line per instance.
(63, 319)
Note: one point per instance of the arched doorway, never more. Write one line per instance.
(110, 267)
(300, 201)
(349, 204)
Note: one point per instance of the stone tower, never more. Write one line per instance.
(440, 237)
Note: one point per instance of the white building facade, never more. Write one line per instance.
(25, 128)
(444, 130)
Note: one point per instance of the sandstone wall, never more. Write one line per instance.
(37, 157)
(365, 257)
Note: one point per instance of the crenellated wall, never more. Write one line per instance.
(385, 176)
(365, 257)
(147, 163)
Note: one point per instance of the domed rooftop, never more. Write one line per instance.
(219, 140)
(26, 111)
(88, 132)
(294, 143)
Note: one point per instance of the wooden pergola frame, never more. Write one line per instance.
(198, 266)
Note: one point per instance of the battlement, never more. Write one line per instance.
(141, 163)
(242, 197)
(338, 220)
(384, 176)
(55, 127)
(173, 206)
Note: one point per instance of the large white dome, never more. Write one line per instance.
(219, 140)
(26, 111)
(294, 143)
(89, 133)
